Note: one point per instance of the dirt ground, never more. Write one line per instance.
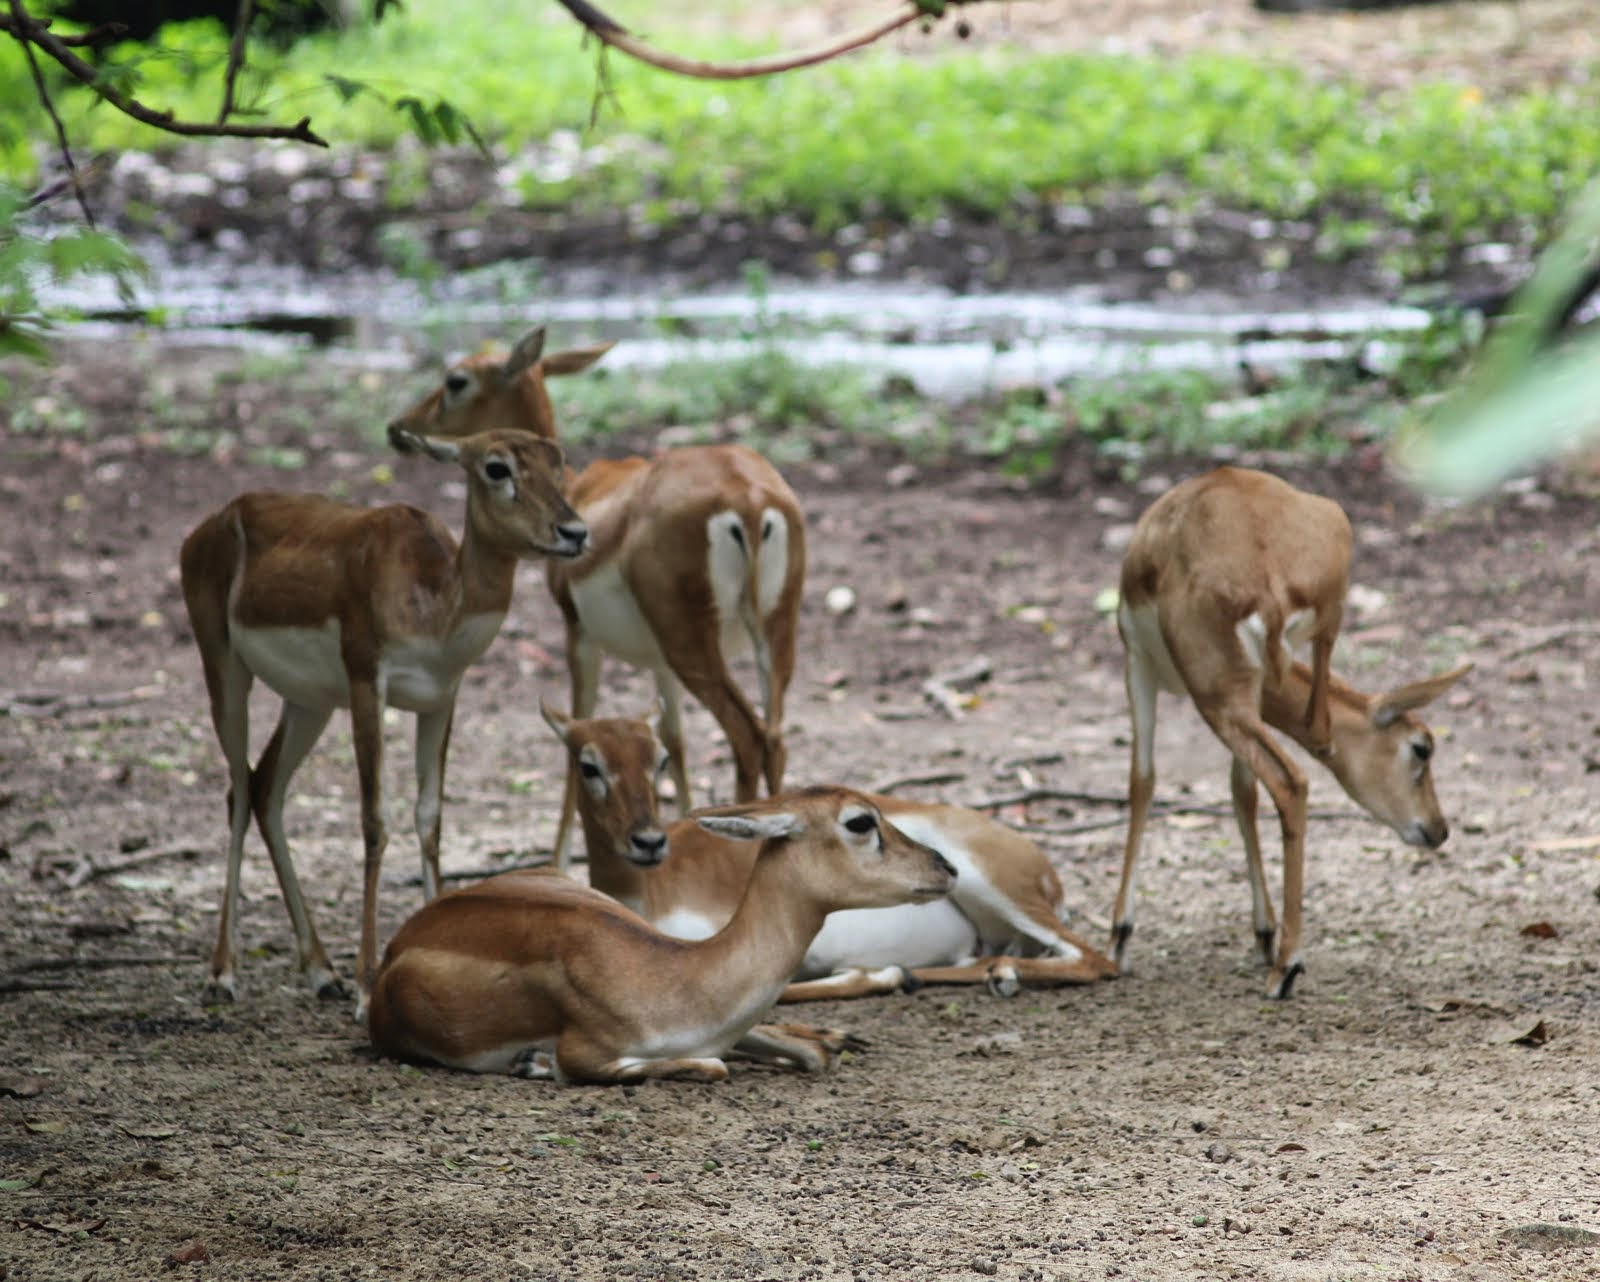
(1427, 1106)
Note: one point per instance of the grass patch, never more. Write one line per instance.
(882, 136)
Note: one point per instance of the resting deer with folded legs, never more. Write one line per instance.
(696, 555)
(1224, 575)
(532, 973)
(1000, 926)
(335, 606)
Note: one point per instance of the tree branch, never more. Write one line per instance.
(236, 46)
(43, 90)
(613, 34)
(30, 31)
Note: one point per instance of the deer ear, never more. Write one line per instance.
(524, 355)
(759, 826)
(574, 360)
(557, 720)
(1390, 707)
(439, 450)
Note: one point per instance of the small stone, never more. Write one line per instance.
(984, 1265)
(840, 600)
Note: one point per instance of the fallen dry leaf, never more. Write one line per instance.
(1538, 1035)
(1540, 930)
(47, 1128)
(22, 1086)
(189, 1253)
(149, 1132)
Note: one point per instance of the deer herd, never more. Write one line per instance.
(688, 933)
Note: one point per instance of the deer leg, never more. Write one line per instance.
(579, 1060)
(297, 732)
(706, 676)
(583, 668)
(1244, 812)
(778, 647)
(1319, 720)
(670, 727)
(433, 745)
(228, 684)
(854, 982)
(366, 724)
(1249, 740)
(1142, 691)
(802, 1046)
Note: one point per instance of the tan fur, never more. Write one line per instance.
(1207, 556)
(393, 583)
(649, 518)
(531, 965)
(705, 874)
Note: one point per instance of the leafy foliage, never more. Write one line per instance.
(28, 259)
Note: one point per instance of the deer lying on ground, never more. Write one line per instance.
(1225, 574)
(694, 555)
(338, 606)
(688, 881)
(534, 974)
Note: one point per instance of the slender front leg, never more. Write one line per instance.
(855, 982)
(433, 744)
(1251, 742)
(366, 726)
(583, 669)
(1243, 782)
(803, 1046)
(1142, 690)
(298, 730)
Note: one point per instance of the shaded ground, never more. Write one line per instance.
(1171, 1125)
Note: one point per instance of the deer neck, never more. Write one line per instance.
(485, 574)
(610, 873)
(750, 959)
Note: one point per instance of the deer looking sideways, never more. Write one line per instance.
(693, 556)
(688, 881)
(338, 606)
(1225, 574)
(537, 975)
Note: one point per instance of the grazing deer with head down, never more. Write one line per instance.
(695, 555)
(1224, 575)
(338, 606)
(1000, 925)
(534, 974)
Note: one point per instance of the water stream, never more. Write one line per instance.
(947, 345)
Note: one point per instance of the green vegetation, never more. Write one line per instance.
(881, 135)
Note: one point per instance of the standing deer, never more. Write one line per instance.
(695, 555)
(338, 606)
(534, 974)
(1000, 925)
(1225, 574)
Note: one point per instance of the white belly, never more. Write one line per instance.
(304, 665)
(301, 665)
(935, 934)
(612, 618)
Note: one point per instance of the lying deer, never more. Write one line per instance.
(338, 606)
(688, 881)
(1225, 574)
(695, 555)
(534, 974)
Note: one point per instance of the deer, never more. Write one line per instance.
(697, 554)
(1225, 575)
(1001, 925)
(534, 974)
(336, 606)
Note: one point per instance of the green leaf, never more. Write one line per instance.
(347, 89)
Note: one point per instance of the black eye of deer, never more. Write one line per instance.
(590, 770)
(1422, 750)
(495, 470)
(454, 383)
(862, 823)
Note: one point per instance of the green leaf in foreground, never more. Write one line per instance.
(1525, 402)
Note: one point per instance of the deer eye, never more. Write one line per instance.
(588, 769)
(862, 823)
(455, 382)
(1421, 749)
(497, 470)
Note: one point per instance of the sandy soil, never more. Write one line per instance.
(1426, 1107)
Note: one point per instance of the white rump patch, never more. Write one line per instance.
(1141, 630)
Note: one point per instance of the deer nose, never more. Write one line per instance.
(649, 846)
(574, 532)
